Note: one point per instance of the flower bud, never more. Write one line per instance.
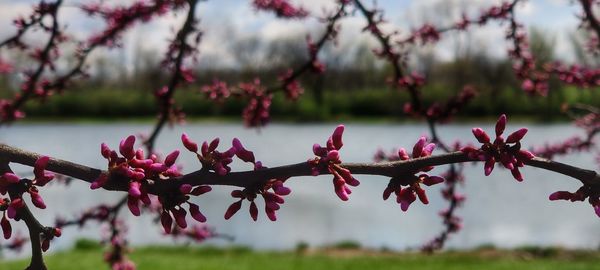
(189, 145)
(166, 221)
(196, 214)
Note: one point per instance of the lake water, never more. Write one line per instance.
(498, 210)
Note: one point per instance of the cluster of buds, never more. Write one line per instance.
(210, 158)
(501, 11)
(49, 233)
(592, 193)
(534, 81)
(281, 8)
(5, 67)
(256, 113)
(406, 196)
(197, 233)
(272, 193)
(217, 91)
(8, 112)
(501, 150)
(329, 157)
(570, 145)
(16, 187)
(427, 33)
(172, 206)
(136, 170)
(291, 86)
(412, 80)
(577, 75)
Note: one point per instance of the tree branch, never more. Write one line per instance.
(33, 225)
(253, 178)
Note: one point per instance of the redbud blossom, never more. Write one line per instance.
(585, 192)
(6, 228)
(273, 199)
(510, 156)
(281, 8)
(189, 145)
(328, 157)
(406, 196)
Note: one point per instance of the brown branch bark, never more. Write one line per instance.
(186, 29)
(587, 6)
(252, 178)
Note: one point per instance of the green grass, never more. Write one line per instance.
(175, 258)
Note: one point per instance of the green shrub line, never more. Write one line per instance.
(105, 103)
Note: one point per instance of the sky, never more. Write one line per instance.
(229, 21)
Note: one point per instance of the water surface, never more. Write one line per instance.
(498, 211)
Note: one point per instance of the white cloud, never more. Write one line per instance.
(229, 21)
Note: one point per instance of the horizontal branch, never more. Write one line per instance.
(253, 178)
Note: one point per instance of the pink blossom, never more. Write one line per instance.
(511, 157)
(217, 91)
(5, 67)
(257, 111)
(281, 8)
(189, 145)
(272, 193)
(406, 196)
(328, 157)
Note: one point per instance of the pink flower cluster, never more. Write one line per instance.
(328, 157)
(281, 8)
(8, 113)
(198, 233)
(501, 150)
(5, 67)
(11, 183)
(412, 80)
(291, 86)
(137, 170)
(272, 193)
(577, 75)
(47, 235)
(589, 192)
(427, 33)
(210, 158)
(172, 206)
(570, 145)
(534, 81)
(16, 187)
(406, 196)
(501, 11)
(217, 91)
(256, 113)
